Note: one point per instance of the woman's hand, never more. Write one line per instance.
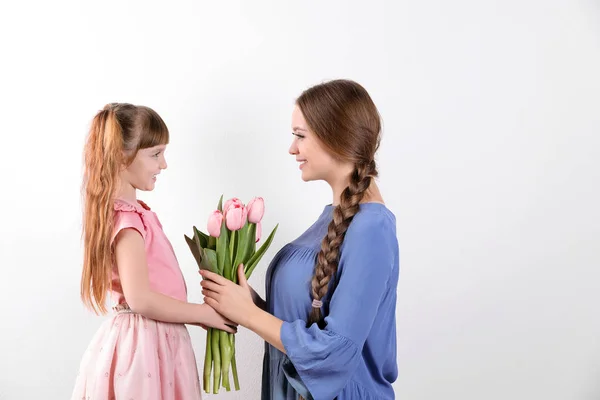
(228, 299)
(211, 318)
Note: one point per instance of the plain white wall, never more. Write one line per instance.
(489, 160)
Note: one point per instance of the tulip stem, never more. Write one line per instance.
(208, 361)
(225, 358)
(217, 361)
(232, 247)
(236, 381)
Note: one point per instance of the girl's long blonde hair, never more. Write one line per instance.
(116, 134)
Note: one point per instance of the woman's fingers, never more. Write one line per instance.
(242, 276)
(210, 293)
(208, 275)
(210, 285)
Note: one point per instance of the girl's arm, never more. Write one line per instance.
(130, 255)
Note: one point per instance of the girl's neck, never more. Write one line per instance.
(127, 192)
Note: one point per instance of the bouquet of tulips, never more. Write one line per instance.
(233, 231)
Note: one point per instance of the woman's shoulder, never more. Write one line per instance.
(372, 218)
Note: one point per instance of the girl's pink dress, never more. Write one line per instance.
(132, 357)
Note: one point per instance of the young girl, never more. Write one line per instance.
(329, 316)
(143, 351)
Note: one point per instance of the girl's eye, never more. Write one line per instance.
(299, 136)
(156, 154)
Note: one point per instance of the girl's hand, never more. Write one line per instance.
(201, 326)
(231, 300)
(211, 318)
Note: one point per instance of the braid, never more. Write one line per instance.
(346, 122)
(328, 257)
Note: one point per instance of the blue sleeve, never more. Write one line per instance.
(321, 362)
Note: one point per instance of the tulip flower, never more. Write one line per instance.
(215, 220)
(235, 216)
(233, 200)
(256, 210)
(222, 253)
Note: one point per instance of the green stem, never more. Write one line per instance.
(232, 248)
(207, 361)
(225, 358)
(236, 382)
(216, 352)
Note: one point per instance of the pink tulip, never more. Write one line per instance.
(256, 210)
(228, 203)
(235, 216)
(215, 220)
(258, 231)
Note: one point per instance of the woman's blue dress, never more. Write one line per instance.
(354, 356)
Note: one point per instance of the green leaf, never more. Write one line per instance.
(233, 243)
(223, 258)
(209, 260)
(202, 237)
(253, 262)
(246, 244)
(212, 243)
(220, 205)
(194, 249)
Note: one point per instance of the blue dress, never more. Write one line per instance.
(354, 356)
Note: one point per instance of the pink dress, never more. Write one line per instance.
(132, 357)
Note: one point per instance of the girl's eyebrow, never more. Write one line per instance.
(297, 128)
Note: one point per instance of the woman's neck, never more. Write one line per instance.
(373, 195)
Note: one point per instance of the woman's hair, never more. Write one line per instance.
(116, 134)
(344, 118)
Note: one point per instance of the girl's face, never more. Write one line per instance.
(147, 164)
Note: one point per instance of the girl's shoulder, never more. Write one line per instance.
(126, 206)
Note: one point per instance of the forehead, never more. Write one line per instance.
(298, 119)
(155, 148)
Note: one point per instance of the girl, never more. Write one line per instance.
(143, 351)
(329, 315)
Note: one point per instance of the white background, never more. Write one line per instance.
(489, 161)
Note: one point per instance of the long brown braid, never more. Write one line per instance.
(328, 258)
(344, 118)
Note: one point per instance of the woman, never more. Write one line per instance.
(329, 314)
